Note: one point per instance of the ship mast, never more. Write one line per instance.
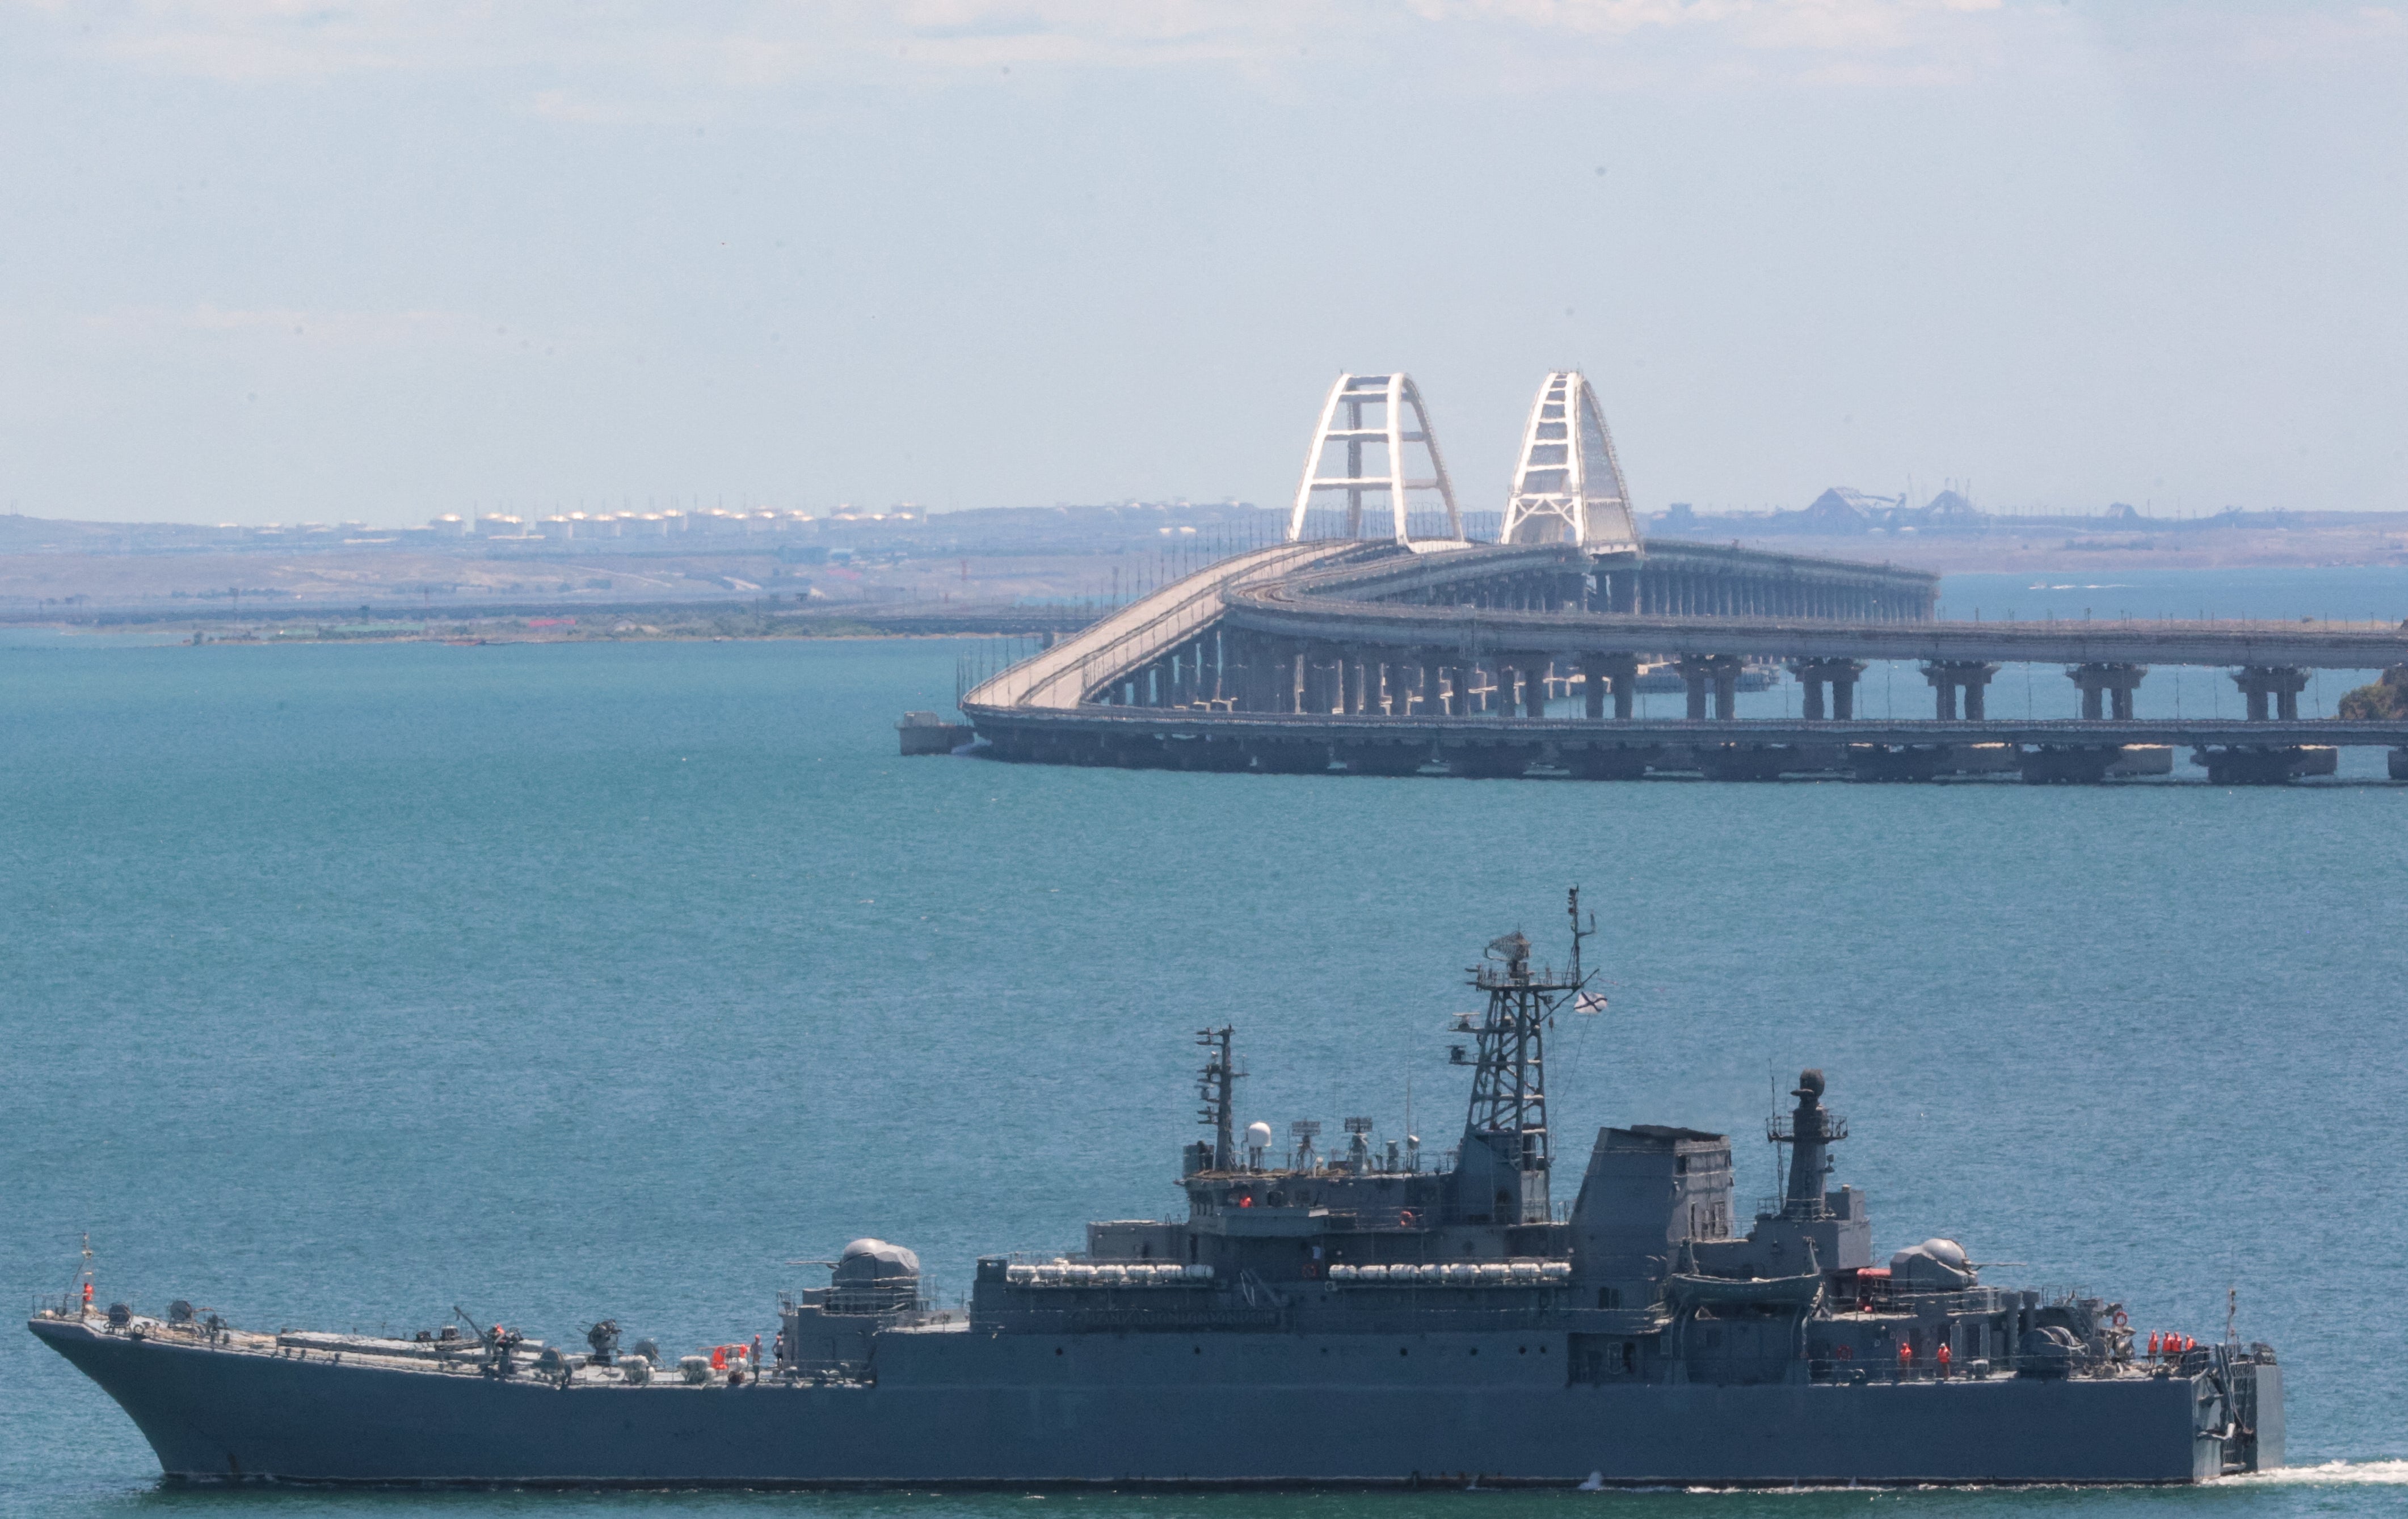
(1507, 1122)
(1216, 1086)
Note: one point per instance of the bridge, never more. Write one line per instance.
(1395, 653)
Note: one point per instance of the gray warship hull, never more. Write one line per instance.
(951, 1406)
(1355, 1319)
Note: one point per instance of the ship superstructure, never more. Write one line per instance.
(1367, 1315)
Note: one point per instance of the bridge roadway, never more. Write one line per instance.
(1365, 604)
(1390, 659)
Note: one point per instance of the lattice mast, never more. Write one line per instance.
(1568, 487)
(1216, 1086)
(1507, 1112)
(1344, 422)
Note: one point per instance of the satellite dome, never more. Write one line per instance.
(1259, 1135)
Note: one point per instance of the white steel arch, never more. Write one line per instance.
(1394, 394)
(1568, 487)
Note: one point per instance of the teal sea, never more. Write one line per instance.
(345, 984)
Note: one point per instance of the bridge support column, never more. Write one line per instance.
(1509, 689)
(1717, 673)
(1324, 677)
(1534, 687)
(2283, 682)
(1948, 677)
(1621, 671)
(1838, 674)
(2107, 689)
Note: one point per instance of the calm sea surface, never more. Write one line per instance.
(345, 984)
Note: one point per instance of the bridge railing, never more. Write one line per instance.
(1140, 633)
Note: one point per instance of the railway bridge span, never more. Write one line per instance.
(1512, 659)
(1377, 640)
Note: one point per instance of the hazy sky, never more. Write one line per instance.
(313, 259)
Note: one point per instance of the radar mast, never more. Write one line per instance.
(1507, 1152)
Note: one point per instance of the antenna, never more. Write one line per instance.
(1303, 1131)
(1578, 931)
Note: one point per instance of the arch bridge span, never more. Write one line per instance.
(1394, 657)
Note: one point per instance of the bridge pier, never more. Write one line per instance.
(2107, 689)
(1717, 673)
(1840, 675)
(1619, 671)
(1608, 761)
(2249, 765)
(2283, 682)
(1950, 675)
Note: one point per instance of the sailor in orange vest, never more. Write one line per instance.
(1943, 1360)
(2154, 1342)
(1905, 1358)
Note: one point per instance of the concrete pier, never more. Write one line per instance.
(2282, 683)
(2107, 688)
(1617, 672)
(1839, 676)
(1711, 674)
(1949, 677)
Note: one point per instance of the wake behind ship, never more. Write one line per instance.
(1355, 1318)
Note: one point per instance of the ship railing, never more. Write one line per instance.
(1782, 1127)
(1838, 1369)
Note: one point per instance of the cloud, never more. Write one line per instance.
(350, 329)
(750, 47)
(599, 58)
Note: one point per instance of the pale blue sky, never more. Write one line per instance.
(276, 260)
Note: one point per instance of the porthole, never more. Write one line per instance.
(1057, 1350)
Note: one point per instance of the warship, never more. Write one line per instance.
(1364, 1317)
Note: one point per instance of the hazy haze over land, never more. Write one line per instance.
(269, 260)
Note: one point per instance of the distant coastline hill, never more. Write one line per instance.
(1845, 513)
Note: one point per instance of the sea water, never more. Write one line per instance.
(345, 985)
